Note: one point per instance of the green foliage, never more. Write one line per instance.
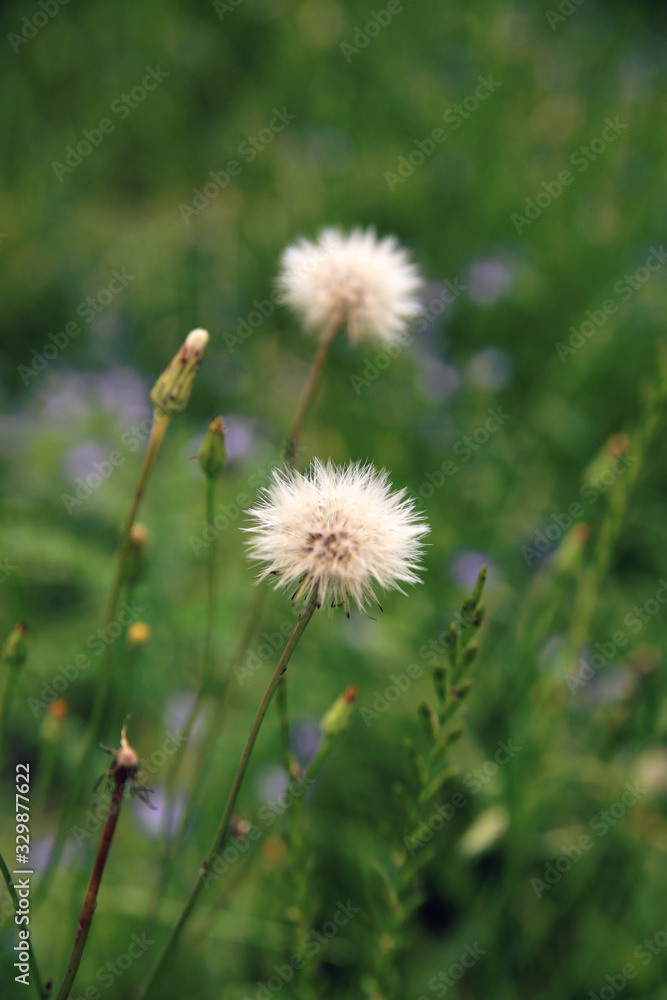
(568, 701)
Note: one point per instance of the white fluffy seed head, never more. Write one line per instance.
(337, 532)
(368, 285)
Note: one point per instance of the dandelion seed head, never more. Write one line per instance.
(367, 284)
(336, 532)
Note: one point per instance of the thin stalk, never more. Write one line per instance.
(160, 424)
(6, 707)
(216, 724)
(90, 901)
(310, 390)
(221, 833)
(167, 856)
(593, 577)
(285, 739)
(32, 961)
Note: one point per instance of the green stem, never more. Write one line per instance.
(221, 833)
(594, 575)
(209, 657)
(160, 424)
(285, 739)
(90, 901)
(216, 724)
(32, 961)
(166, 855)
(310, 391)
(6, 708)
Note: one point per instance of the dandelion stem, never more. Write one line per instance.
(32, 961)
(90, 901)
(221, 833)
(160, 424)
(310, 390)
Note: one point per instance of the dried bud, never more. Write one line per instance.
(126, 757)
(337, 718)
(212, 454)
(15, 648)
(172, 390)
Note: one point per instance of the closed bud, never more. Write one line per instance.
(172, 390)
(212, 454)
(337, 719)
(15, 648)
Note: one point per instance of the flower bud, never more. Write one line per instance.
(337, 718)
(138, 634)
(15, 648)
(212, 454)
(172, 390)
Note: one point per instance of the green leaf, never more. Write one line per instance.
(429, 720)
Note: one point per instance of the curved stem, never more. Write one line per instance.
(221, 833)
(90, 901)
(309, 391)
(32, 961)
(160, 424)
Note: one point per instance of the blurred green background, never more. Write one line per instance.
(559, 72)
